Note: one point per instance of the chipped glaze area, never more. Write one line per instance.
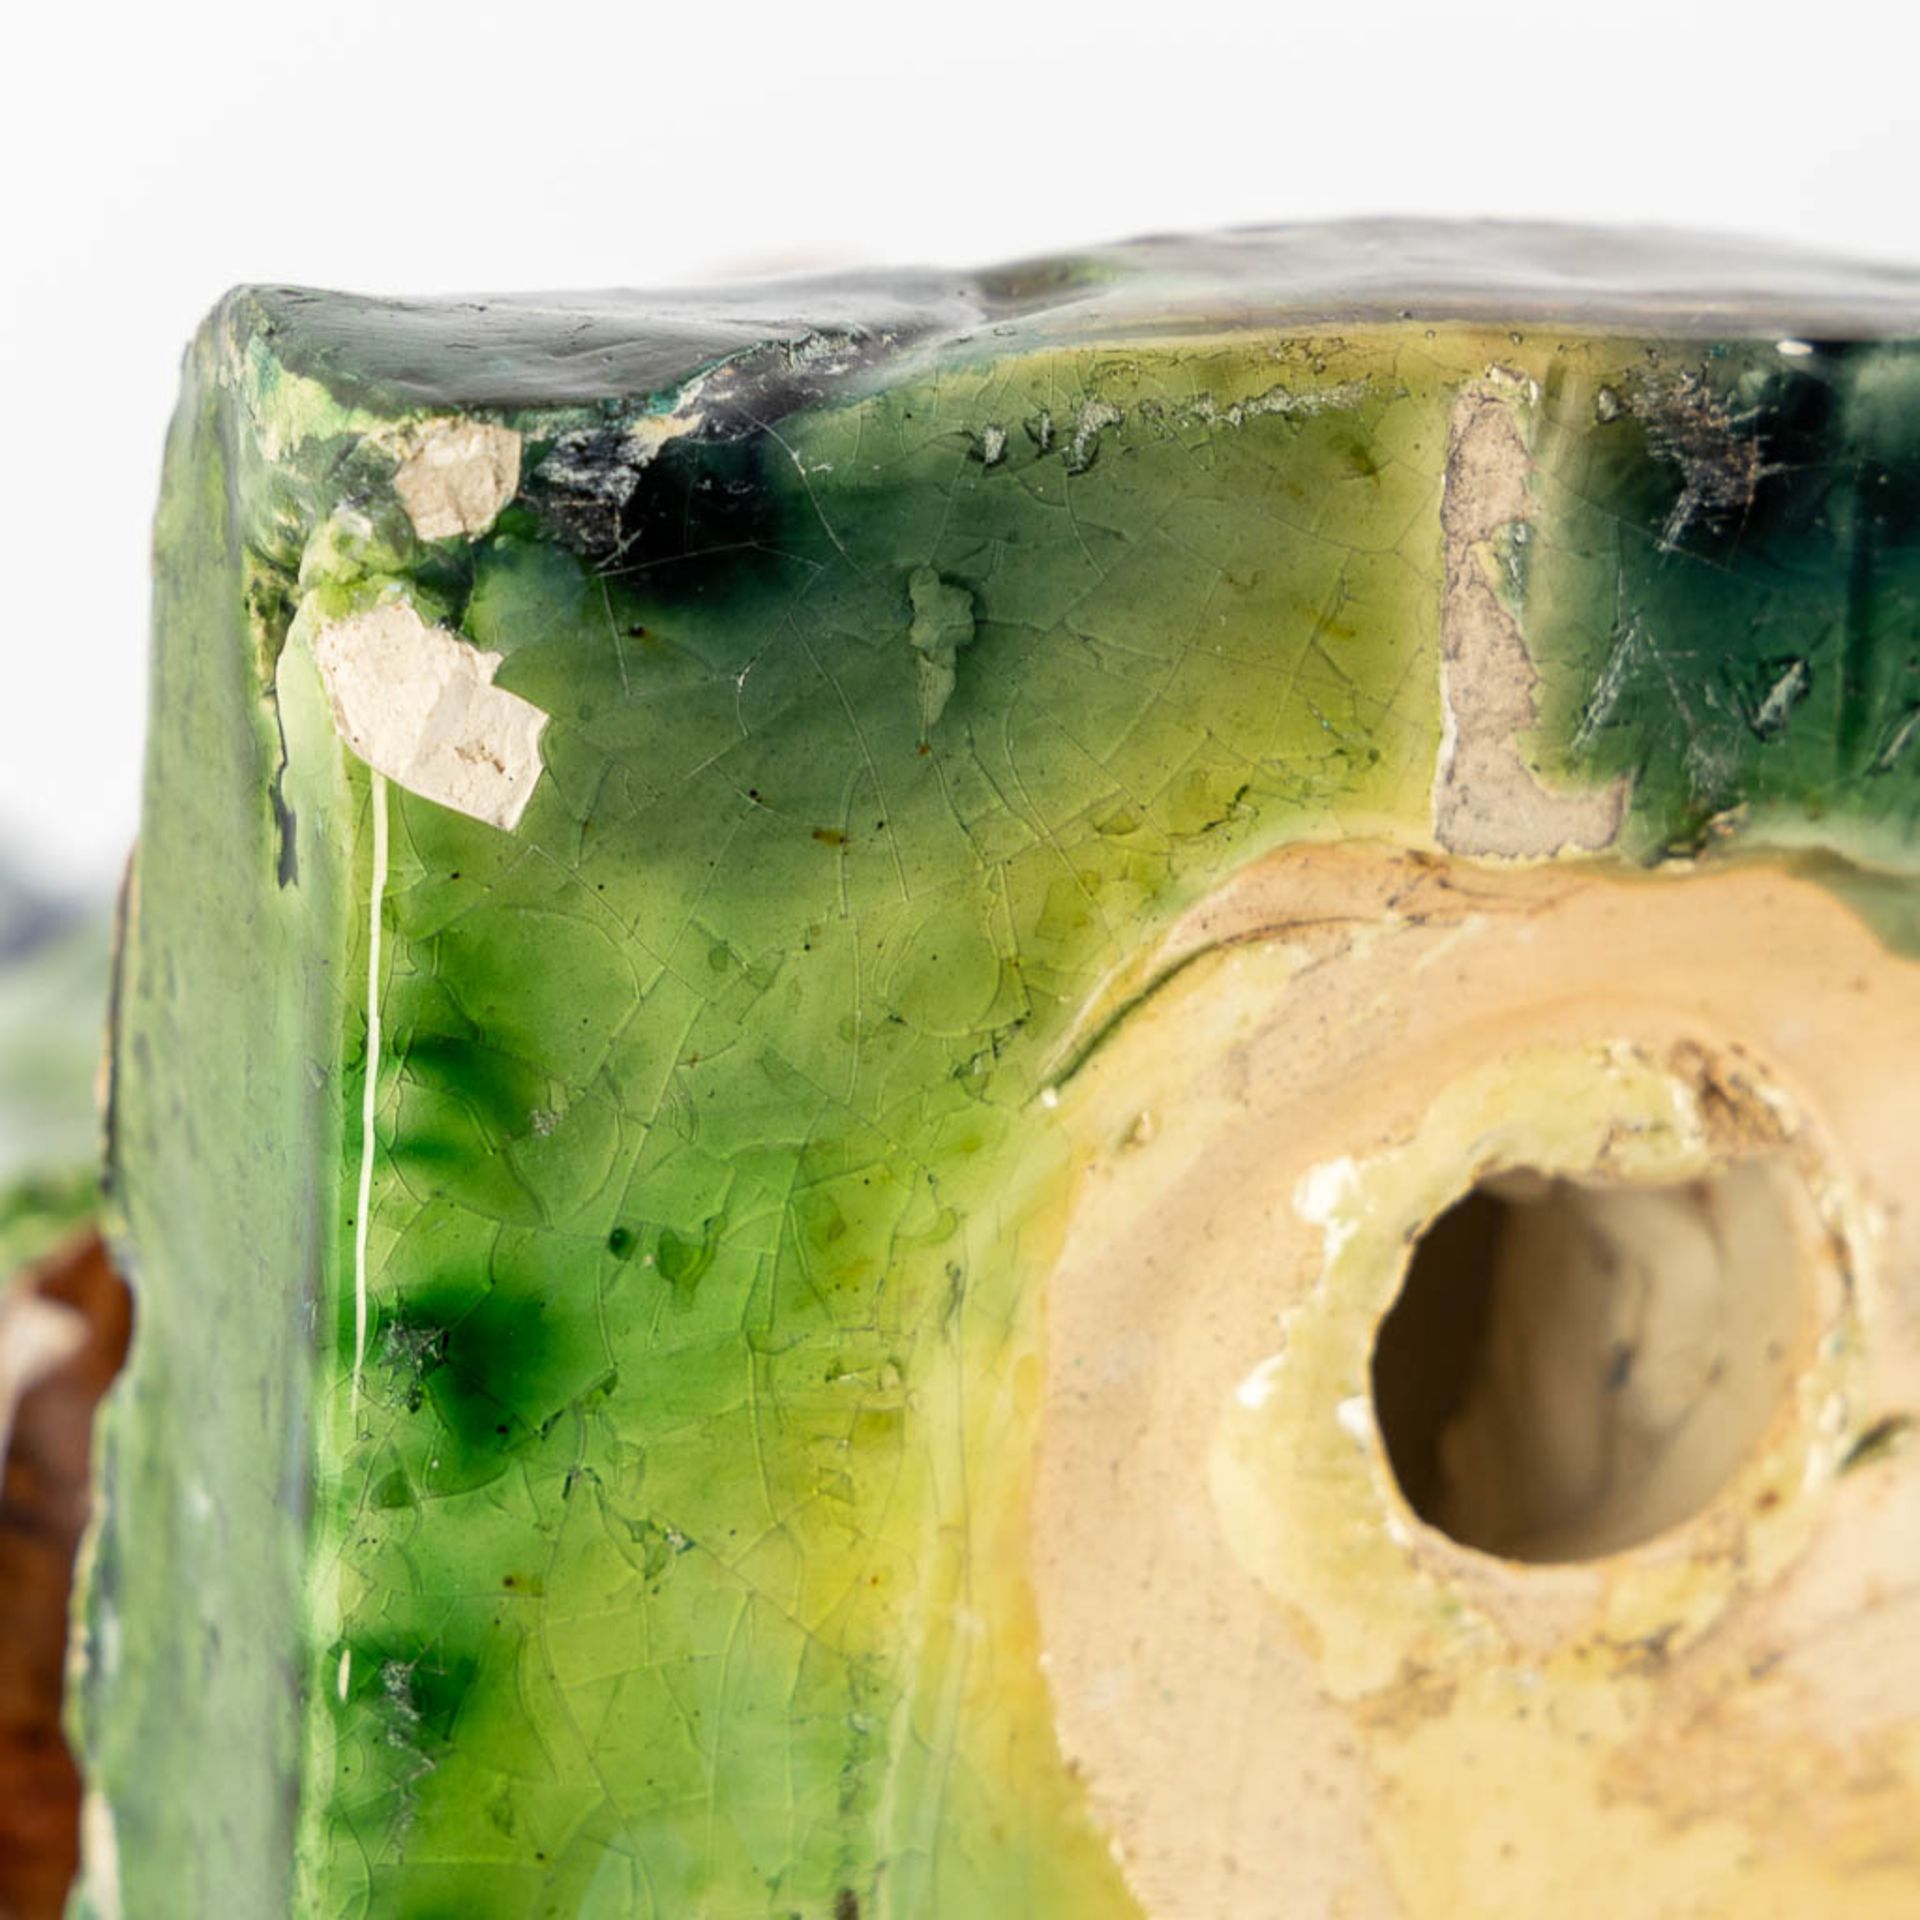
(418, 704)
(457, 476)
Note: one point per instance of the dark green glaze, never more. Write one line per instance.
(1730, 602)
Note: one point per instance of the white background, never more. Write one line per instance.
(152, 160)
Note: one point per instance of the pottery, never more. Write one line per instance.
(1085, 1091)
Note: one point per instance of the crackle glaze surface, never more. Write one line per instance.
(580, 1447)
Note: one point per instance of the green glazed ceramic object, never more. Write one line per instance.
(1086, 1091)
